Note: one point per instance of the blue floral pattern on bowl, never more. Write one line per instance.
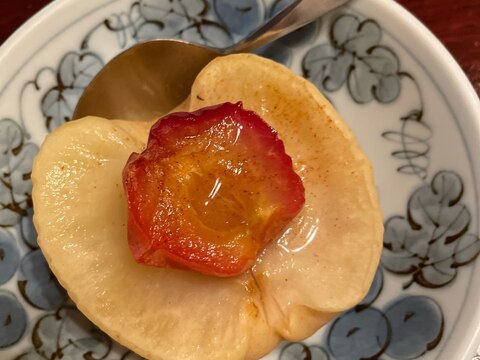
(427, 244)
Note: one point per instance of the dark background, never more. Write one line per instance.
(455, 22)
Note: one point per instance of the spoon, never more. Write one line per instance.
(151, 78)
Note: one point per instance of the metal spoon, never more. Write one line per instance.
(151, 78)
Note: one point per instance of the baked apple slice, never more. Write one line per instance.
(211, 189)
(327, 258)
(321, 264)
(81, 213)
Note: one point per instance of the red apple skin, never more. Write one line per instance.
(209, 192)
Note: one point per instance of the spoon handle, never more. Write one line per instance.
(294, 16)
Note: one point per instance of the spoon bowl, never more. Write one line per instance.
(146, 81)
(151, 78)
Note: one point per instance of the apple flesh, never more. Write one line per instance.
(210, 190)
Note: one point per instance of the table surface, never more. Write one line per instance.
(455, 23)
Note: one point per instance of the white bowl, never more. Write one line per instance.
(412, 108)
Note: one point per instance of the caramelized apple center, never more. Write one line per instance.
(210, 190)
(216, 180)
